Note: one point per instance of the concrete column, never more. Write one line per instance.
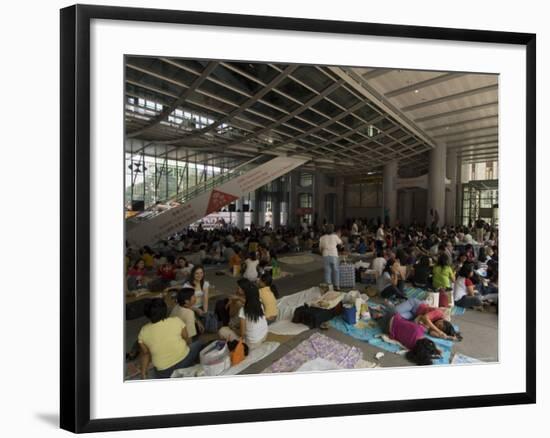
(292, 198)
(436, 184)
(450, 200)
(390, 192)
(239, 219)
(340, 214)
(407, 197)
(276, 205)
(257, 208)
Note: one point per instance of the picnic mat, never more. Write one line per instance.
(287, 328)
(317, 346)
(370, 332)
(287, 304)
(416, 292)
(296, 260)
(282, 274)
(254, 356)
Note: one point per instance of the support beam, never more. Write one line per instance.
(436, 186)
(456, 112)
(466, 141)
(466, 131)
(451, 97)
(424, 84)
(390, 192)
(462, 122)
(450, 196)
(376, 73)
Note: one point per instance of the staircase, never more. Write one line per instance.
(160, 222)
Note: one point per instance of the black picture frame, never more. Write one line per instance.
(75, 216)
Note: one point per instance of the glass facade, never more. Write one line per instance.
(154, 179)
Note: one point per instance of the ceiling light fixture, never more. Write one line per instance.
(416, 91)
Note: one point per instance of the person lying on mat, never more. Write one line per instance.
(253, 324)
(422, 350)
(430, 317)
(165, 342)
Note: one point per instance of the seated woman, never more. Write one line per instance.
(422, 350)
(420, 275)
(443, 274)
(253, 325)
(165, 342)
(464, 293)
(430, 317)
(390, 282)
(184, 310)
(251, 267)
(235, 259)
(137, 275)
(268, 297)
(166, 272)
(198, 283)
(182, 269)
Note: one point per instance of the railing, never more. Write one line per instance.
(193, 192)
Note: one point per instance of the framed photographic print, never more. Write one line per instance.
(290, 218)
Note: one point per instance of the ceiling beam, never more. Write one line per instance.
(242, 108)
(360, 85)
(463, 122)
(450, 97)
(456, 112)
(467, 131)
(424, 84)
(376, 73)
(479, 150)
(163, 115)
(466, 142)
(473, 148)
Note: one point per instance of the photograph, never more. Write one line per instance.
(303, 218)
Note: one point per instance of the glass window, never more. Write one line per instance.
(306, 179)
(306, 200)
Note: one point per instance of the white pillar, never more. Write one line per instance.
(436, 184)
(450, 201)
(390, 192)
(239, 219)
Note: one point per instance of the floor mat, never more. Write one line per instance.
(287, 328)
(416, 292)
(317, 346)
(296, 260)
(371, 333)
(254, 356)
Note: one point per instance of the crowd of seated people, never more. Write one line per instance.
(427, 257)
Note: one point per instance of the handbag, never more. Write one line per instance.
(238, 352)
(211, 322)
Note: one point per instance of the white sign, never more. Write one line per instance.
(173, 220)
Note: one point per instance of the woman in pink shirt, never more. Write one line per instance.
(422, 350)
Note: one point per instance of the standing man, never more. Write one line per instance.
(380, 238)
(328, 244)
